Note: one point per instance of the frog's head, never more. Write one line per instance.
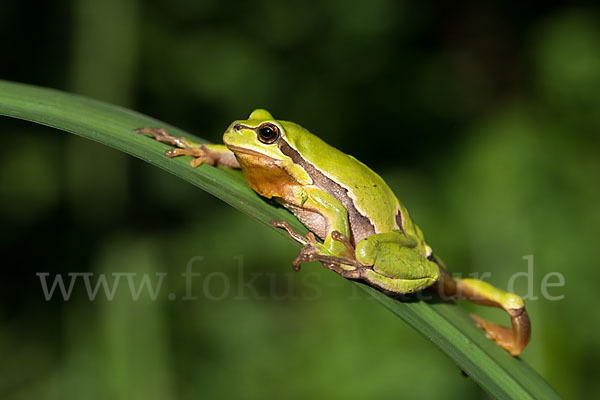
(260, 142)
(260, 134)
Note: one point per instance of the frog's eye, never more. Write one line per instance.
(268, 133)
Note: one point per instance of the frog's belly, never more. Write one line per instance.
(318, 224)
(313, 220)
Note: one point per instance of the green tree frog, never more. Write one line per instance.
(366, 233)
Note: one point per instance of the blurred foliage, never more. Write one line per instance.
(483, 118)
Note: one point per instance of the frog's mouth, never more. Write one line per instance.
(248, 152)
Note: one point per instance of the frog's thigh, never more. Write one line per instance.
(368, 248)
(396, 285)
(401, 270)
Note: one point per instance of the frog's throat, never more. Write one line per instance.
(265, 175)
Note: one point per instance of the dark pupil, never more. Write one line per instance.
(267, 133)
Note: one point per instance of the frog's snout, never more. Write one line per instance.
(233, 131)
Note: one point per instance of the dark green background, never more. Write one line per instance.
(484, 119)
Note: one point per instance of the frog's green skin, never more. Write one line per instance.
(331, 191)
(367, 233)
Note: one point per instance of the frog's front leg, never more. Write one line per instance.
(327, 217)
(211, 154)
(314, 251)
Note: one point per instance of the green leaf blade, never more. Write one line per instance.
(445, 324)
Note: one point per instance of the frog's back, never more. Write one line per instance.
(350, 181)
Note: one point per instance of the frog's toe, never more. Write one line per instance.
(306, 241)
(311, 238)
(307, 254)
(159, 134)
(346, 271)
(340, 237)
(346, 267)
(175, 152)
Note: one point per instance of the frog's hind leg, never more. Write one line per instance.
(346, 267)
(513, 339)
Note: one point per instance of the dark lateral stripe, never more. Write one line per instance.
(400, 221)
(251, 128)
(360, 225)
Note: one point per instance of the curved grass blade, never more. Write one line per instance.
(445, 324)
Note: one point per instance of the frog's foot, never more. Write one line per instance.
(352, 269)
(161, 135)
(514, 338)
(502, 335)
(307, 240)
(340, 237)
(313, 251)
(184, 147)
(347, 271)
